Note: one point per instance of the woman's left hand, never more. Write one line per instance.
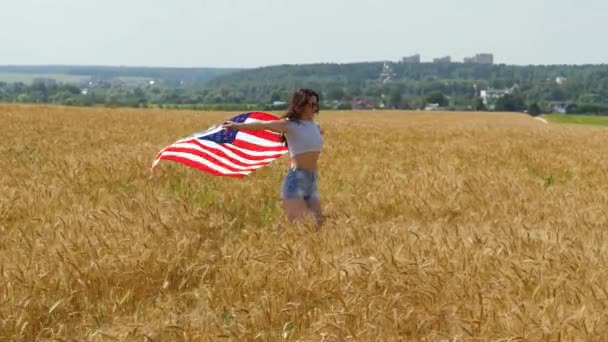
(228, 125)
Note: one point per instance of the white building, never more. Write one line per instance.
(489, 96)
(559, 107)
(432, 106)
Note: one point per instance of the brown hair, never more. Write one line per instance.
(299, 100)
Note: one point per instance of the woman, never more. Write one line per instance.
(304, 142)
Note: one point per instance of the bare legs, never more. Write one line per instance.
(299, 210)
(314, 205)
(300, 197)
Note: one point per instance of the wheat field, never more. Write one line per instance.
(441, 227)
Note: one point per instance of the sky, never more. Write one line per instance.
(255, 33)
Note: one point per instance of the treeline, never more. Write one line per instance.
(168, 76)
(581, 89)
(403, 85)
(112, 95)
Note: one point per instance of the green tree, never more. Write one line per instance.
(534, 109)
(479, 105)
(510, 103)
(395, 98)
(275, 96)
(405, 104)
(335, 93)
(437, 97)
(353, 91)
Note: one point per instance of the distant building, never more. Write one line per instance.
(361, 103)
(415, 59)
(560, 80)
(559, 107)
(432, 107)
(489, 96)
(443, 60)
(480, 58)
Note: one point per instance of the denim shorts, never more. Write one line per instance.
(300, 184)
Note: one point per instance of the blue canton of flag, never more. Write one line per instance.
(223, 136)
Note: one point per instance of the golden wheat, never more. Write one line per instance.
(442, 226)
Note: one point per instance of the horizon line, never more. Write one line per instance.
(284, 64)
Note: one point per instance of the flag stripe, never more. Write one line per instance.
(217, 159)
(203, 161)
(264, 134)
(209, 132)
(226, 151)
(244, 136)
(253, 147)
(251, 154)
(195, 164)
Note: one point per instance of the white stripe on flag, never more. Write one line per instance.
(256, 140)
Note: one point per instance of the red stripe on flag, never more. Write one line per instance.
(199, 166)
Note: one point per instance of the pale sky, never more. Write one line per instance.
(253, 33)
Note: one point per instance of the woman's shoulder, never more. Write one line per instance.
(288, 122)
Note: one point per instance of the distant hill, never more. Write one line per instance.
(305, 73)
(354, 73)
(77, 74)
(335, 81)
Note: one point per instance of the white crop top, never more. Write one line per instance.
(303, 136)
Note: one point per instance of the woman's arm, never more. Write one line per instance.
(279, 126)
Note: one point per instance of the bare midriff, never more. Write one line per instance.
(306, 161)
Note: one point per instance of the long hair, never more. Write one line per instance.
(299, 100)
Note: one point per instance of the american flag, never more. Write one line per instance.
(229, 153)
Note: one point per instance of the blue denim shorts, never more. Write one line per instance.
(300, 184)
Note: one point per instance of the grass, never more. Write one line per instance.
(578, 119)
(442, 226)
